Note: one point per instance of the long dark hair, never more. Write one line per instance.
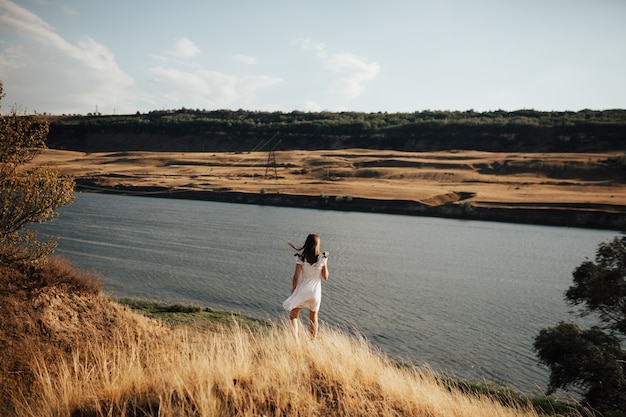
(311, 249)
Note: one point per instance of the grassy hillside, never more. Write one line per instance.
(68, 350)
(55, 315)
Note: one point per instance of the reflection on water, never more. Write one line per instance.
(464, 297)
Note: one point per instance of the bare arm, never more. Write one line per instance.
(324, 272)
(296, 275)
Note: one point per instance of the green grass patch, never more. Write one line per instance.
(183, 314)
(543, 405)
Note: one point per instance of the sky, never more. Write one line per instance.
(128, 56)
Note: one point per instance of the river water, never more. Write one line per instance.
(465, 298)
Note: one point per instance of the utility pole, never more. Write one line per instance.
(271, 160)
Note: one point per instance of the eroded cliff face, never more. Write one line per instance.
(74, 139)
(420, 132)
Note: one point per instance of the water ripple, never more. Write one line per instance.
(462, 297)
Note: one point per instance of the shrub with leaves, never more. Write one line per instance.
(27, 194)
(592, 361)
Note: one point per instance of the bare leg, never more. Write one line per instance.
(313, 323)
(294, 318)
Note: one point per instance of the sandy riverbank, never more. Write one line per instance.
(589, 186)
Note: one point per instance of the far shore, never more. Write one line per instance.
(564, 189)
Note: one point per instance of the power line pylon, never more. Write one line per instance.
(271, 161)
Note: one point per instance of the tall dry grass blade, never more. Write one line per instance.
(238, 372)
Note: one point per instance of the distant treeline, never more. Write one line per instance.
(239, 130)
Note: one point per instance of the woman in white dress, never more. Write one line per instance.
(306, 288)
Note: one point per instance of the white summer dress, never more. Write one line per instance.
(308, 292)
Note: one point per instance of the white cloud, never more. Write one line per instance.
(348, 64)
(308, 43)
(312, 106)
(18, 19)
(190, 84)
(69, 10)
(182, 80)
(185, 48)
(52, 73)
(12, 57)
(244, 59)
(353, 71)
(203, 88)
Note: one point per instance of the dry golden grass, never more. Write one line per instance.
(68, 350)
(47, 314)
(239, 373)
(433, 178)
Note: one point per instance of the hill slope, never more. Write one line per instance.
(49, 315)
(69, 351)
